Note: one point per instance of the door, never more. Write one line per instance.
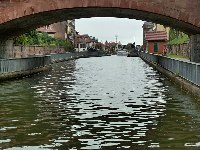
(155, 47)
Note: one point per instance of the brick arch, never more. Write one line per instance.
(18, 16)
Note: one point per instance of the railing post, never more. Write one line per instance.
(196, 76)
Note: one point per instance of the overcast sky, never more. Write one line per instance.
(127, 30)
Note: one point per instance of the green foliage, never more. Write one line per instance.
(173, 34)
(176, 56)
(129, 46)
(67, 45)
(177, 37)
(41, 39)
(32, 37)
(180, 40)
(22, 40)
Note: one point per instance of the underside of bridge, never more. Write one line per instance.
(20, 16)
(27, 23)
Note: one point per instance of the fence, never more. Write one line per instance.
(63, 56)
(185, 69)
(30, 63)
(23, 64)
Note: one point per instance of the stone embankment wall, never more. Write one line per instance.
(21, 51)
(180, 49)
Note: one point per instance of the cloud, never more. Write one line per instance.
(127, 30)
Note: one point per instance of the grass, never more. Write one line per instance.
(176, 56)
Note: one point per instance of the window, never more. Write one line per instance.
(155, 47)
(83, 45)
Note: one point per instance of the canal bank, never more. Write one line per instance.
(183, 73)
(20, 67)
(20, 74)
(76, 106)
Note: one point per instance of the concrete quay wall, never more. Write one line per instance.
(20, 67)
(185, 84)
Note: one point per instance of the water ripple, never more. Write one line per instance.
(97, 103)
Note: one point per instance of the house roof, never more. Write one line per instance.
(110, 43)
(85, 38)
(156, 36)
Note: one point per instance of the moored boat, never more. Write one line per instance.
(122, 53)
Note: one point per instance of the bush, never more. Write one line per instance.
(42, 39)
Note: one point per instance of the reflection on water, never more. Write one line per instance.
(97, 103)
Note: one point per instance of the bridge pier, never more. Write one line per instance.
(6, 49)
(195, 48)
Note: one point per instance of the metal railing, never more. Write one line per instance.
(23, 64)
(29, 63)
(183, 68)
(56, 57)
(64, 56)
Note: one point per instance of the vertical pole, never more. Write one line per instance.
(196, 75)
(116, 47)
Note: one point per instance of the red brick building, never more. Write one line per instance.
(48, 29)
(84, 42)
(156, 42)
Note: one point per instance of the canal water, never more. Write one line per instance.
(98, 103)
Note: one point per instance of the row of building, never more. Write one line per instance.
(155, 37)
(66, 30)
